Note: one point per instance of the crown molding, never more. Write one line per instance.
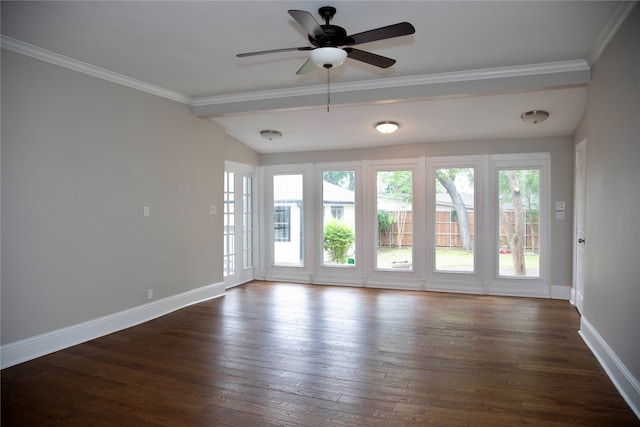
(420, 80)
(82, 67)
(617, 18)
(366, 85)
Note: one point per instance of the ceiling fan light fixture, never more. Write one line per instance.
(328, 57)
(387, 127)
(534, 116)
(270, 134)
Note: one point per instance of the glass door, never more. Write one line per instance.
(454, 219)
(394, 210)
(339, 218)
(519, 206)
(519, 218)
(288, 220)
(238, 219)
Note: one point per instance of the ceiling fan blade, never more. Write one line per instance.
(369, 58)
(388, 32)
(307, 67)
(262, 52)
(308, 22)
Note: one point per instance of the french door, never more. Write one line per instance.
(519, 208)
(473, 224)
(239, 217)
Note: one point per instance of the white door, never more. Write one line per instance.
(579, 210)
(239, 217)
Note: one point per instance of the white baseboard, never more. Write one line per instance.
(39, 345)
(625, 382)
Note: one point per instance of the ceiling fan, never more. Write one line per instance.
(332, 45)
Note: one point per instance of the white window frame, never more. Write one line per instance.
(383, 278)
(339, 274)
(296, 273)
(513, 285)
(457, 281)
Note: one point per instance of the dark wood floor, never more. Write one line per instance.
(299, 355)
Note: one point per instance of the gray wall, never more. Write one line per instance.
(612, 260)
(81, 157)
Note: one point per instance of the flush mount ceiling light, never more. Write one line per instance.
(534, 116)
(328, 57)
(270, 134)
(387, 127)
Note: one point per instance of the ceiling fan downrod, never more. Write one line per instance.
(328, 87)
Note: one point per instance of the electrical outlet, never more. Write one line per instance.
(145, 211)
(213, 209)
(150, 294)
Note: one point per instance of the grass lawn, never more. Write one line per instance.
(457, 260)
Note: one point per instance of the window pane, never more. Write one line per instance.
(454, 219)
(287, 220)
(229, 267)
(282, 224)
(519, 231)
(339, 214)
(247, 221)
(395, 216)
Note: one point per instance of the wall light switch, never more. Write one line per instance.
(560, 206)
(213, 210)
(146, 211)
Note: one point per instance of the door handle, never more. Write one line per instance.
(581, 241)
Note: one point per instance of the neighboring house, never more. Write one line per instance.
(338, 203)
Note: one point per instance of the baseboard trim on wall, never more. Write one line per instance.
(40, 345)
(625, 382)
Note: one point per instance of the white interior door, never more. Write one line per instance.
(579, 221)
(239, 224)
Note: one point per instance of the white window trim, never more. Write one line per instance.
(330, 274)
(456, 281)
(374, 277)
(298, 273)
(524, 286)
(483, 280)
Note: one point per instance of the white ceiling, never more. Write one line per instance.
(468, 72)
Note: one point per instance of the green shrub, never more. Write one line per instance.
(338, 238)
(385, 222)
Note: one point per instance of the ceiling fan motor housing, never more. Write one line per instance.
(331, 45)
(334, 35)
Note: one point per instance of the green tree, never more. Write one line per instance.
(385, 222)
(447, 178)
(344, 179)
(513, 184)
(338, 238)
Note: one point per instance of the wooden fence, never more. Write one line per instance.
(448, 232)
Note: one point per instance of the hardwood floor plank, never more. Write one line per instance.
(300, 355)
